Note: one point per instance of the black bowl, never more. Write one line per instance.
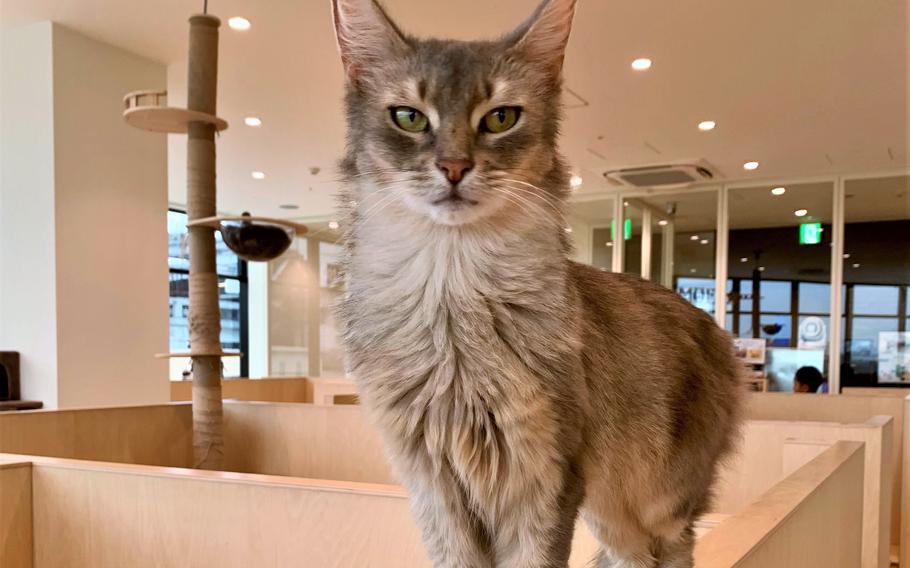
(255, 241)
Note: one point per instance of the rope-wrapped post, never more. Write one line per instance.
(204, 315)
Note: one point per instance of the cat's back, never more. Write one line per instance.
(652, 358)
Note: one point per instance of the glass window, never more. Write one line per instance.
(814, 298)
(232, 299)
(875, 300)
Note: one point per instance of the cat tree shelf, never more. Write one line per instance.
(216, 222)
(148, 110)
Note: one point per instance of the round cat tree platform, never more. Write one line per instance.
(147, 110)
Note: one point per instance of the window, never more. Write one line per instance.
(232, 290)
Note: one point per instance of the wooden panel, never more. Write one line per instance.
(759, 465)
(894, 392)
(16, 514)
(112, 518)
(809, 520)
(798, 453)
(297, 389)
(859, 407)
(304, 440)
(153, 435)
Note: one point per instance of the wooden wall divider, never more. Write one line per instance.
(16, 540)
(129, 515)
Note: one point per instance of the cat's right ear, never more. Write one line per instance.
(366, 36)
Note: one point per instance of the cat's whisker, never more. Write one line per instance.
(558, 211)
(522, 201)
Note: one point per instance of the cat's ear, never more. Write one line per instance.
(543, 36)
(366, 36)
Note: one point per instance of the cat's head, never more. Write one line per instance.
(454, 131)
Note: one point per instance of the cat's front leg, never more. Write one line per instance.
(452, 535)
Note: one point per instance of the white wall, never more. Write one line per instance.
(28, 315)
(581, 238)
(96, 278)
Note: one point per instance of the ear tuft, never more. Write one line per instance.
(543, 37)
(366, 36)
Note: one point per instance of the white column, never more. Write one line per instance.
(646, 243)
(619, 240)
(668, 249)
(721, 267)
(837, 283)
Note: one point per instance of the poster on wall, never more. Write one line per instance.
(893, 356)
(751, 351)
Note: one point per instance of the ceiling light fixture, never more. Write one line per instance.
(575, 181)
(692, 270)
(856, 265)
(694, 237)
(258, 175)
(238, 23)
(800, 212)
(750, 166)
(663, 222)
(252, 121)
(641, 64)
(333, 225)
(744, 259)
(779, 191)
(609, 244)
(846, 255)
(706, 125)
(704, 241)
(761, 268)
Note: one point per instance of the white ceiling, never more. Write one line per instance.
(806, 88)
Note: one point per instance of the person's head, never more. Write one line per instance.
(807, 379)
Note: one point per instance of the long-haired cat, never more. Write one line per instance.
(512, 387)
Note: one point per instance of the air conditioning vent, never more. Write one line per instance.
(664, 175)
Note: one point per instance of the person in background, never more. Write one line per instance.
(809, 379)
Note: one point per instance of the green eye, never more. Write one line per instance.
(500, 119)
(410, 119)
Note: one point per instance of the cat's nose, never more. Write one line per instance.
(454, 170)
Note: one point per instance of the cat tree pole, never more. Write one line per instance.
(252, 238)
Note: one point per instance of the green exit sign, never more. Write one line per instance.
(626, 230)
(810, 233)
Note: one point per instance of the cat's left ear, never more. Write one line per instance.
(543, 37)
(366, 36)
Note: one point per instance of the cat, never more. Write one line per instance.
(511, 386)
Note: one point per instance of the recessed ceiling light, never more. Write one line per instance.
(625, 203)
(610, 244)
(663, 222)
(333, 225)
(744, 259)
(750, 166)
(258, 175)
(800, 212)
(692, 271)
(706, 125)
(575, 181)
(761, 268)
(252, 121)
(846, 255)
(694, 237)
(289, 206)
(704, 241)
(641, 64)
(856, 265)
(779, 191)
(238, 23)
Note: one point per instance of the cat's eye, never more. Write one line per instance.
(410, 119)
(500, 119)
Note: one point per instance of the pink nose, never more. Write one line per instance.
(454, 170)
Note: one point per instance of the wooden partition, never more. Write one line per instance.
(772, 448)
(304, 440)
(809, 520)
(151, 435)
(16, 513)
(292, 389)
(114, 514)
(859, 406)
